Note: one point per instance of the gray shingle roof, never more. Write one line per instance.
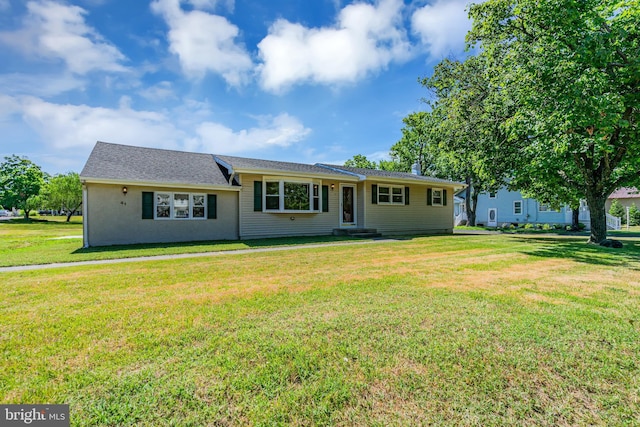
(141, 164)
(375, 173)
(244, 164)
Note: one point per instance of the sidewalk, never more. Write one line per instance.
(192, 255)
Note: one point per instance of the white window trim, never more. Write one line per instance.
(171, 216)
(433, 195)
(514, 207)
(391, 187)
(281, 180)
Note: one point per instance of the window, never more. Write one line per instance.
(390, 195)
(517, 207)
(180, 206)
(492, 194)
(436, 197)
(291, 196)
(546, 208)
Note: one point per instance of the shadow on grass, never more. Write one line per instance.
(218, 245)
(579, 250)
(22, 221)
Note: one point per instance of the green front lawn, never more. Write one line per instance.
(51, 240)
(446, 330)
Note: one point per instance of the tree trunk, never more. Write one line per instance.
(598, 218)
(575, 219)
(69, 215)
(470, 205)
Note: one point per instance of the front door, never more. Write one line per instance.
(493, 218)
(347, 205)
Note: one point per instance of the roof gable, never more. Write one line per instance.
(140, 164)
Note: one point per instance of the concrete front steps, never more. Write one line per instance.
(365, 233)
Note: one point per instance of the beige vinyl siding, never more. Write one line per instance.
(271, 224)
(417, 217)
(116, 219)
(362, 198)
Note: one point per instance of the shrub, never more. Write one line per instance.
(618, 210)
(634, 215)
(529, 226)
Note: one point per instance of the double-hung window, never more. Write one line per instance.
(517, 207)
(390, 195)
(546, 208)
(436, 197)
(284, 195)
(180, 206)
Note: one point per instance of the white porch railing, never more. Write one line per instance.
(614, 222)
(462, 216)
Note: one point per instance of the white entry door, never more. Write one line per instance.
(347, 205)
(493, 218)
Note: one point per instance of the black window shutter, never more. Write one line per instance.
(429, 195)
(406, 195)
(212, 206)
(444, 197)
(325, 198)
(257, 196)
(147, 205)
(374, 194)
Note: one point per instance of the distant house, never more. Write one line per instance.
(505, 206)
(626, 197)
(146, 195)
(510, 207)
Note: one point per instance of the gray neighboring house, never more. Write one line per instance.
(147, 195)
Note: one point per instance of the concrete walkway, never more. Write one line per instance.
(190, 255)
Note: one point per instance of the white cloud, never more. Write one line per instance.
(158, 92)
(212, 4)
(80, 126)
(442, 26)
(73, 129)
(279, 131)
(204, 42)
(365, 38)
(8, 106)
(56, 31)
(40, 84)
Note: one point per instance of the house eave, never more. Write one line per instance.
(143, 183)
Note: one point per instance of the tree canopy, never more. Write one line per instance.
(65, 192)
(461, 137)
(20, 183)
(573, 71)
(361, 161)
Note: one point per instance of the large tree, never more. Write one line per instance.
(573, 68)
(461, 137)
(65, 192)
(20, 183)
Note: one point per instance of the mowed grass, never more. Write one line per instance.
(48, 240)
(447, 330)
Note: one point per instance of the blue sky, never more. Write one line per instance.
(300, 80)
